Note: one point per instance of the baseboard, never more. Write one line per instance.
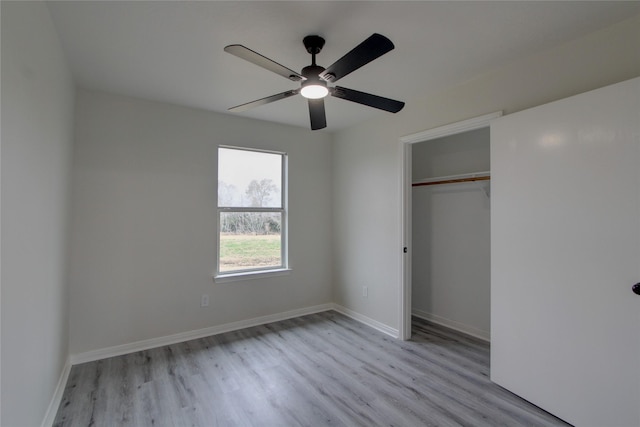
(133, 347)
(366, 320)
(52, 410)
(452, 324)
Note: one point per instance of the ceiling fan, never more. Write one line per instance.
(314, 78)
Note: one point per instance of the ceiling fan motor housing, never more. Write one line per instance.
(311, 74)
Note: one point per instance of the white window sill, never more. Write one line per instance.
(249, 275)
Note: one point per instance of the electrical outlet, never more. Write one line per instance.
(365, 291)
(204, 301)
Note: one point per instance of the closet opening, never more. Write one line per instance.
(446, 227)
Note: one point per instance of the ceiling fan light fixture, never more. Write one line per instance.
(314, 90)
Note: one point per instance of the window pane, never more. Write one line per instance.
(249, 179)
(250, 240)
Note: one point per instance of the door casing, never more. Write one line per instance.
(404, 329)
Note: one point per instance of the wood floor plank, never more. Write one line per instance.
(323, 369)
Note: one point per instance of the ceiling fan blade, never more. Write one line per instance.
(316, 113)
(370, 49)
(263, 101)
(262, 61)
(374, 101)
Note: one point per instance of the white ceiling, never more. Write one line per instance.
(173, 51)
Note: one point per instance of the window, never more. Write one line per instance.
(252, 216)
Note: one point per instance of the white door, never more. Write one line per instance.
(565, 237)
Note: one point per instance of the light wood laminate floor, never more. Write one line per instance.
(317, 370)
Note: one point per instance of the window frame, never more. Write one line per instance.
(283, 268)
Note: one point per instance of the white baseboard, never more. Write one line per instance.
(366, 320)
(133, 347)
(52, 410)
(452, 324)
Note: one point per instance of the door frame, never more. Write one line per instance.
(404, 328)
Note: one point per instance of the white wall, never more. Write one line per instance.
(451, 234)
(367, 157)
(37, 133)
(144, 221)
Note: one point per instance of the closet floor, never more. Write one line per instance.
(316, 370)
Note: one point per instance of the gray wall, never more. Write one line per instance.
(144, 221)
(368, 157)
(37, 133)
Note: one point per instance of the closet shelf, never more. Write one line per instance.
(453, 179)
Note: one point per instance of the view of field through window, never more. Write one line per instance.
(250, 209)
(249, 240)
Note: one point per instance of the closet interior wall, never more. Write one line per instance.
(451, 233)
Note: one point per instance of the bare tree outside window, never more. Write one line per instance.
(259, 193)
(226, 193)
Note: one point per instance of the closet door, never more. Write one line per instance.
(565, 236)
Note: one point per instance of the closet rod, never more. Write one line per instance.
(452, 181)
